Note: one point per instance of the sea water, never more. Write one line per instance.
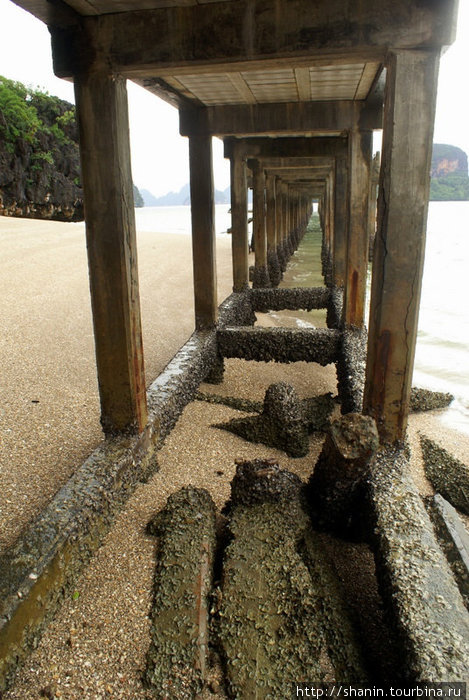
(442, 352)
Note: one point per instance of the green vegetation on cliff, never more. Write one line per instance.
(450, 181)
(39, 155)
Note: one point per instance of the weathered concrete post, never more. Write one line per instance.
(275, 273)
(340, 220)
(239, 220)
(203, 231)
(329, 229)
(112, 249)
(286, 221)
(411, 87)
(357, 241)
(279, 224)
(372, 203)
(261, 274)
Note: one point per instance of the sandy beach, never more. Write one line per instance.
(95, 648)
(49, 419)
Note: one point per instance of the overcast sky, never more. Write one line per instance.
(159, 154)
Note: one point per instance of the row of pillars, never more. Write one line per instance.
(280, 212)
(398, 252)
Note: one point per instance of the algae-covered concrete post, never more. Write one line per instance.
(340, 220)
(275, 273)
(279, 224)
(372, 203)
(261, 274)
(239, 219)
(411, 87)
(357, 240)
(203, 231)
(112, 249)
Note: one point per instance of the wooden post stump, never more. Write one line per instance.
(341, 467)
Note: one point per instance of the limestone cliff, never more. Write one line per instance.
(449, 173)
(39, 158)
(447, 160)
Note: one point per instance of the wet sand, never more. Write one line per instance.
(49, 416)
(95, 648)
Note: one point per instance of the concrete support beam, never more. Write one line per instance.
(412, 78)
(203, 231)
(112, 249)
(239, 221)
(331, 117)
(224, 36)
(360, 143)
(289, 147)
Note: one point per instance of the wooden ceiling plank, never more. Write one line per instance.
(366, 81)
(242, 87)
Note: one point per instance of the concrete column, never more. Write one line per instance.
(239, 221)
(411, 87)
(340, 220)
(203, 231)
(261, 274)
(279, 224)
(275, 273)
(372, 204)
(102, 112)
(360, 143)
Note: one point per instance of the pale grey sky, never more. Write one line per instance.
(159, 154)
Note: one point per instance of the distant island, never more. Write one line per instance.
(449, 174)
(181, 198)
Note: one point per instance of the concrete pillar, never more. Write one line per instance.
(239, 221)
(102, 112)
(410, 97)
(279, 223)
(203, 231)
(340, 220)
(372, 204)
(360, 143)
(275, 273)
(261, 274)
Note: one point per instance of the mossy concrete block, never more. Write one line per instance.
(415, 579)
(293, 298)
(317, 411)
(282, 423)
(275, 271)
(340, 638)
(263, 481)
(454, 540)
(351, 366)
(426, 400)
(275, 622)
(333, 488)
(267, 619)
(177, 660)
(448, 475)
(260, 276)
(280, 344)
(334, 307)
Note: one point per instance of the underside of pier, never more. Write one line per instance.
(295, 89)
